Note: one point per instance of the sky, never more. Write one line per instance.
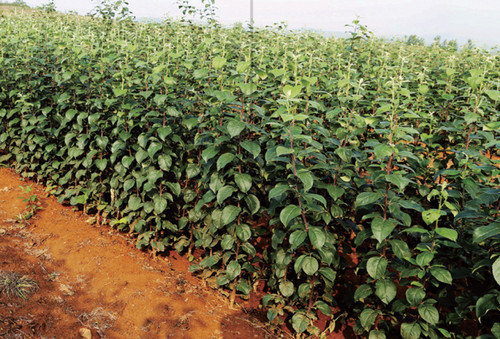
(478, 20)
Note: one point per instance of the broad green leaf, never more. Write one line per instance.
(223, 160)
(400, 248)
(165, 162)
(494, 95)
(134, 203)
(247, 89)
(210, 261)
(495, 330)
(229, 213)
(297, 238)
(164, 132)
(415, 295)
(253, 203)
(376, 267)
(335, 191)
(251, 147)
(381, 228)
(160, 204)
(362, 292)
(307, 180)
(300, 322)
(429, 313)
(227, 242)
(485, 304)
(441, 275)
(218, 62)
(410, 331)
(235, 127)
(447, 233)
(244, 182)
(310, 265)
(485, 232)
(323, 307)
(398, 180)
(381, 151)
(287, 288)
(385, 290)
(233, 269)
(209, 152)
(224, 193)
(317, 237)
(424, 259)
(367, 198)
(431, 216)
(328, 273)
(243, 232)
(367, 317)
(141, 155)
(101, 164)
(278, 190)
(289, 213)
(377, 334)
(291, 91)
(496, 270)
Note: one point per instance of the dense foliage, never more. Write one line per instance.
(353, 177)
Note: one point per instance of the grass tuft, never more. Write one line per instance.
(13, 284)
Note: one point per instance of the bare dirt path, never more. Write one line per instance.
(91, 278)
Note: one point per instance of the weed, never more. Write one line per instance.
(32, 205)
(13, 284)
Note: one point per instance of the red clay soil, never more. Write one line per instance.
(92, 278)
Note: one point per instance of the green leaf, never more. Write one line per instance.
(328, 273)
(218, 62)
(335, 191)
(278, 190)
(447, 233)
(381, 151)
(164, 132)
(323, 307)
(243, 232)
(431, 216)
(429, 313)
(377, 334)
(381, 228)
(485, 304)
(362, 292)
(224, 193)
(495, 330)
(165, 162)
(415, 295)
(367, 318)
(251, 147)
(400, 249)
(485, 232)
(160, 204)
(410, 331)
(291, 91)
(210, 261)
(244, 182)
(297, 238)
(248, 88)
(134, 203)
(398, 180)
(494, 95)
(235, 127)
(376, 267)
(442, 275)
(229, 213)
(317, 237)
(224, 159)
(227, 242)
(209, 152)
(233, 269)
(367, 198)
(424, 259)
(289, 213)
(385, 290)
(310, 265)
(253, 203)
(307, 180)
(141, 155)
(101, 164)
(300, 322)
(496, 270)
(287, 288)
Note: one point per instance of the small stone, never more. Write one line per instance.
(85, 333)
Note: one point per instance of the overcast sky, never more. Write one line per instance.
(478, 20)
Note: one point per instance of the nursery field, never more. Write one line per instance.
(349, 182)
